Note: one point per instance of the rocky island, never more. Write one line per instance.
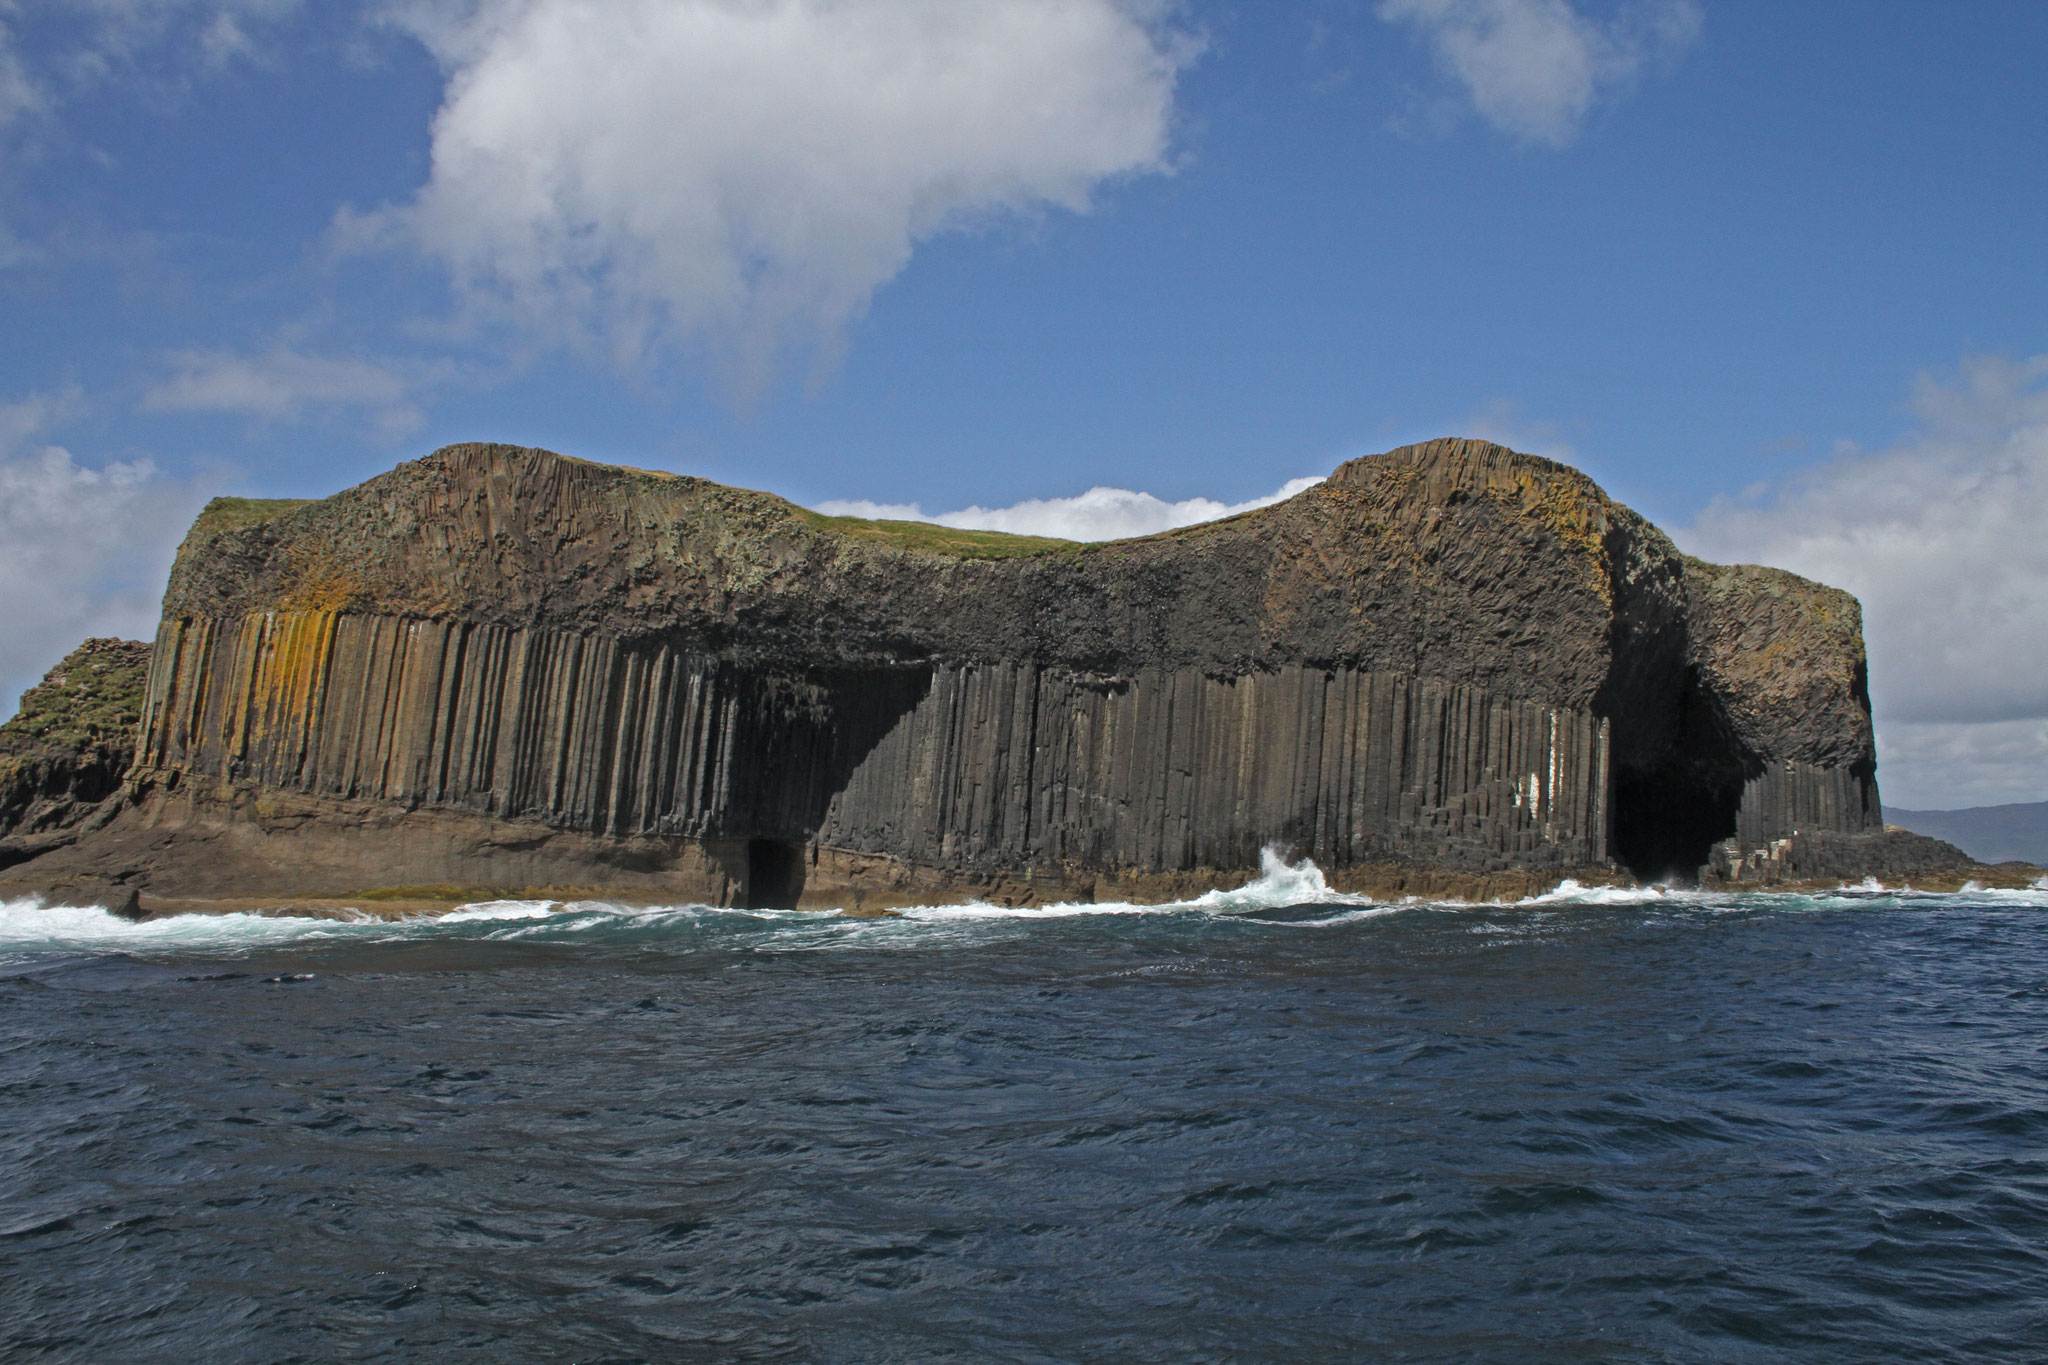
(1451, 669)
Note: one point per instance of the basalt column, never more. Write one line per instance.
(576, 731)
(985, 769)
(1010, 766)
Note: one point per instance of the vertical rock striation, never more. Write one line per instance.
(985, 767)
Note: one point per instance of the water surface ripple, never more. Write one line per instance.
(1587, 1128)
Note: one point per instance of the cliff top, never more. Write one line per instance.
(924, 537)
(1439, 467)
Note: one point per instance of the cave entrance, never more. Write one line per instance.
(1679, 769)
(775, 874)
(1667, 821)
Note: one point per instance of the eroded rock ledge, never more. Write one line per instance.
(1448, 668)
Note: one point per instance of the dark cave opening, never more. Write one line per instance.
(1667, 821)
(1679, 770)
(775, 874)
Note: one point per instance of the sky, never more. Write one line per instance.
(1773, 274)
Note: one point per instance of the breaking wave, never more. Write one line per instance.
(1284, 896)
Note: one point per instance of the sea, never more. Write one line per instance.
(1270, 1124)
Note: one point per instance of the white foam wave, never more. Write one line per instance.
(30, 929)
(485, 911)
(974, 910)
(26, 926)
(1279, 883)
(1571, 892)
(1357, 914)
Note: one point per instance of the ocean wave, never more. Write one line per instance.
(1279, 884)
(1571, 892)
(1283, 896)
(28, 926)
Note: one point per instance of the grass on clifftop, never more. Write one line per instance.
(94, 696)
(232, 514)
(937, 540)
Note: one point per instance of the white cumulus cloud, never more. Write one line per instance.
(83, 550)
(740, 176)
(1534, 68)
(1098, 514)
(1941, 536)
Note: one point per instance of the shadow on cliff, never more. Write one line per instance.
(797, 739)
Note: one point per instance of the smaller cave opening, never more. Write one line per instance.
(775, 874)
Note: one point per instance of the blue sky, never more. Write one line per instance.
(1772, 273)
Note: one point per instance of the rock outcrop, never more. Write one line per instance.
(67, 747)
(1447, 667)
(62, 759)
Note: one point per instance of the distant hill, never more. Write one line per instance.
(1992, 834)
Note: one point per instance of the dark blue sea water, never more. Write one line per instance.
(1589, 1128)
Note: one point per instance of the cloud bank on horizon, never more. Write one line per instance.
(83, 551)
(1098, 514)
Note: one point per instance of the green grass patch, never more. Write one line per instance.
(925, 538)
(93, 696)
(233, 514)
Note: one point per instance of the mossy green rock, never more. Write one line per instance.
(74, 736)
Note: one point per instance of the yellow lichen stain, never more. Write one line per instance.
(1576, 517)
(301, 658)
(282, 657)
(316, 580)
(1572, 512)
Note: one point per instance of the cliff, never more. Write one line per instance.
(1447, 667)
(67, 747)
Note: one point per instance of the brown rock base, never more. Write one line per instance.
(240, 850)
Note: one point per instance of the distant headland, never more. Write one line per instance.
(1449, 670)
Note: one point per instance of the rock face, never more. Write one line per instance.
(62, 758)
(66, 749)
(503, 667)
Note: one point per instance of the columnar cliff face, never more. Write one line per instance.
(504, 666)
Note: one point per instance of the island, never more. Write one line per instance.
(1449, 670)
